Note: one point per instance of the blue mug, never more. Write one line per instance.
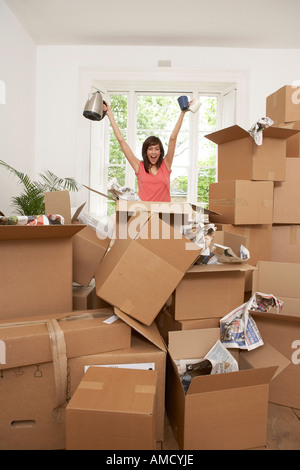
(183, 102)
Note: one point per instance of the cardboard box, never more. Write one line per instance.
(222, 411)
(85, 298)
(283, 333)
(285, 243)
(147, 350)
(283, 105)
(239, 157)
(139, 274)
(113, 409)
(293, 142)
(87, 332)
(209, 291)
(282, 280)
(242, 202)
(36, 269)
(287, 194)
(89, 246)
(31, 418)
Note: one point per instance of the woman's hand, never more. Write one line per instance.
(107, 108)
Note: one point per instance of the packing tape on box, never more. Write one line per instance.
(145, 389)
(91, 385)
(59, 355)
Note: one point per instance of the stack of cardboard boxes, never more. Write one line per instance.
(80, 311)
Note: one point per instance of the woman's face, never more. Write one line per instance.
(153, 153)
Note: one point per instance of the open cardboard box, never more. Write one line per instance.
(32, 417)
(175, 214)
(36, 269)
(238, 153)
(139, 273)
(102, 415)
(242, 202)
(222, 411)
(282, 280)
(88, 246)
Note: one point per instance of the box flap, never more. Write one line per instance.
(207, 268)
(149, 332)
(30, 232)
(236, 132)
(241, 378)
(188, 344)
(265, 356)
(98, 192)
(227, 134)
(58, 202)
(279, 132)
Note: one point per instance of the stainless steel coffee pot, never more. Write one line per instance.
(93, 109)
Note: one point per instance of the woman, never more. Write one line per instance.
(153, 173)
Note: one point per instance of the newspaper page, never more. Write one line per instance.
(221, 359)
(238, 328)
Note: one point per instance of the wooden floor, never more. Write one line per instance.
(283, 432)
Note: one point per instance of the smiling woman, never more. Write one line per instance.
(153, 173)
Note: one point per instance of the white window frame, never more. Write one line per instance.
(99, 164)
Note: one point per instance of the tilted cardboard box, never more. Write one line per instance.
(223, 411)
(242, 202)
(284, 104)
(139, 274)
(36, 269)
(239, 157)
(113, 409)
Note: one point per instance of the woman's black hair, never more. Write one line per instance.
(152, 140)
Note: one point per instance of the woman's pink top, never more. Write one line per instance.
(154, 187)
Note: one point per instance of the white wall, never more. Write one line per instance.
(64, 75)
(59, 134)
(17, 116)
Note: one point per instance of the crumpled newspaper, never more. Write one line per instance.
(200, 233)
(225, 254)
(256, 130)
(121, 192)
(239, 330)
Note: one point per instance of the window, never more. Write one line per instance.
(143, 113)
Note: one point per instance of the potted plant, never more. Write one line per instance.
(31, 200)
